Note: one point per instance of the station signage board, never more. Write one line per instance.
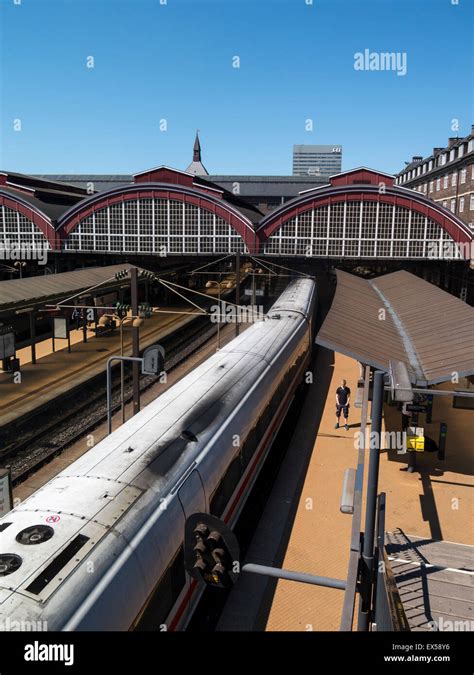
(6, 500)
(258, 292)
(412, 407)
(60, 328)
(7, 345)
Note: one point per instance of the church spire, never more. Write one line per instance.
(197, 167)
(197, 148)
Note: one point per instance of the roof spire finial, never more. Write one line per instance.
(196, 167)
(197, 148)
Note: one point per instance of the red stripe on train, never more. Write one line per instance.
(189, 593)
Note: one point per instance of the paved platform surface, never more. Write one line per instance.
(302, 528)
(56, 373)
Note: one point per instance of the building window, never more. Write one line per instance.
(431, 186)
(453, 205)
(471, 203)
(445, 182)
(463, 175)
(438, 184)
(445, 203)
(461, 204)
(451, 155)
(469, 146)
(430, 165)
(454, 179)
(461, 150)
(472, 172)
(442, 160)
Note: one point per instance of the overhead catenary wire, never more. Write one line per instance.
(288, 269)
(213, 262)
(85, 291)
(191, 290)
(167, 284)
(273, 273)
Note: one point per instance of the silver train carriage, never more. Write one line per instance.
(100, 546)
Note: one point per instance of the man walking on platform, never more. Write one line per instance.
(343, 395)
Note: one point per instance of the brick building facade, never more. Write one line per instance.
(446, 176)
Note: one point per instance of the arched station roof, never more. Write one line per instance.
(26, 205)
(146, 190)
(364, 184)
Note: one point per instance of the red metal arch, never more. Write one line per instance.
(243, 226)
(455, 227)
(40, 219)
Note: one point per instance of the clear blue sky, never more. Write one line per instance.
(174, 61)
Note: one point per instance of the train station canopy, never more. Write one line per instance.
(401, 317)
(17, 294)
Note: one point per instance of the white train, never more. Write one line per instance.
(100, 547)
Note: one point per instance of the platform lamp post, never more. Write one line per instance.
(19, 265)
(237, 290)
(254, 271)
(219, 313)
(135, 341)
(134, 274)
(136, 323)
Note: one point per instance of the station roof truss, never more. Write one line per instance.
(401, 317)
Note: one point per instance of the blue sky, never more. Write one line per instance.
(173, 61)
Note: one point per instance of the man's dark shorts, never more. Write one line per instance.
(345, 410)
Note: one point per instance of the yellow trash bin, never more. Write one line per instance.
(416, 439)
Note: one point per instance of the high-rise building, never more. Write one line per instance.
(317, 160)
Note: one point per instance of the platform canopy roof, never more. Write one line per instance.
(17, 294)
(400, 317)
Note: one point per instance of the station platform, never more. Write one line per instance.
(58, 372)
(302, 528)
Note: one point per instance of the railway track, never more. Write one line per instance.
(71, 421)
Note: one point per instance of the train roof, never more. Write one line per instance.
(152, 450)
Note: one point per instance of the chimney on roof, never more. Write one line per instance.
(472, 128)
(416, 159)
(452, 141)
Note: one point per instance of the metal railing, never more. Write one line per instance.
(369, 573)
(355, 545)
(387, 612)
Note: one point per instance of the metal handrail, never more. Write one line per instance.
(388, 612)
(355, 545)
